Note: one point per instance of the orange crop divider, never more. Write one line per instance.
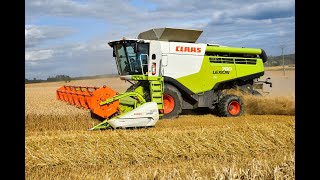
(81, 98)
(68, 92)
(89, 98)
(74, 95)
(60, 93)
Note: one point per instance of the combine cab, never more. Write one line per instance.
(169, 72)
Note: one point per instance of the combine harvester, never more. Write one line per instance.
(169, 72)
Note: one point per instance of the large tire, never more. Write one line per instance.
(146, 91)
(230, 106)
(133, 87)
(172, 102)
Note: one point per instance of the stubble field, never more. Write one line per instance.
(198, 145)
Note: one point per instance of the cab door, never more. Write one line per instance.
(155, 57)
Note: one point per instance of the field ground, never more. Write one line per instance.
(197, 145)
(283, 82)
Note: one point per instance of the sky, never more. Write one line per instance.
(69, 37)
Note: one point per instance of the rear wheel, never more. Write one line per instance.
(230, 106)
(172, 102)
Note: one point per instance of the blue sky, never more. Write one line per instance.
(70, 36)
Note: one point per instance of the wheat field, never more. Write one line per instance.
(198, 145)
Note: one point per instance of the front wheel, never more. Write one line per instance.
(172, 102)
(230, 106)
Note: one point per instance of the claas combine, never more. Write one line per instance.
(169, 72)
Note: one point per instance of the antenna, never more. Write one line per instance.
(282, 46)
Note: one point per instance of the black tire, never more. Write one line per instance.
(133, 87)
(227, 102)
(146, 91)
(174, 93)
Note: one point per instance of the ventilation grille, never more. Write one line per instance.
(232, 60)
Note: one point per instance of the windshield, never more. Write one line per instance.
(129, 62)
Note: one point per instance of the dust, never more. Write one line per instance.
(283, 83)
(281, 97)
(278, 105)
(278, 100)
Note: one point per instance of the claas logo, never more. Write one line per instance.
(188, 49)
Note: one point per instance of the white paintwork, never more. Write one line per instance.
(155, 48)
(145, 115)
(164, 46)
(182, 65)
(178, 64)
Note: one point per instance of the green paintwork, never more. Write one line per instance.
(127, 103)
(233, 50)
(139, 90)
(144, 77)
(245, 70)
(103, 125)
(205, 80)
(156, 88)
(140, 101)
(156, 93)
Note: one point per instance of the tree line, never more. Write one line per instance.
(289, 59)
(64, 78)
(67, 78)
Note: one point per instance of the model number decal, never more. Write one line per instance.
(224, 70)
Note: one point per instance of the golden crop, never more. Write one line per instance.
(197, 145)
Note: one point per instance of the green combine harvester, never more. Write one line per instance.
(169, 72)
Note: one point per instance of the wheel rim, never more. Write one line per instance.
(168, 103)
(234, 108)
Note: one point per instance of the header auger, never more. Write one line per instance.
(170, 73)
(89, 98)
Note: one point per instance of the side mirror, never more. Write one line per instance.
(136, 47)
(113, 52)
